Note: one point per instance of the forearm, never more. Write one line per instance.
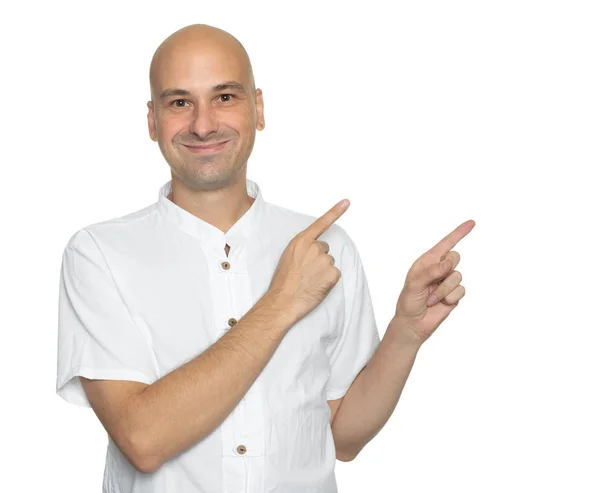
(373, 396)
(186, 405)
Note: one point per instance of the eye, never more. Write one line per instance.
(178, 106)
(221, 95)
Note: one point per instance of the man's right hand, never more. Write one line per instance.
(305, 273)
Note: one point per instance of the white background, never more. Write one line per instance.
(424, 114)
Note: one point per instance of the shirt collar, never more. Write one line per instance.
(236, 236)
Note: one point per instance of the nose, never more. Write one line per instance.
(204, 121)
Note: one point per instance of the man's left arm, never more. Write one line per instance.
(431, 292)
(374, 394)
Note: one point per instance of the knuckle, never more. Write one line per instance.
(299, 243)
(300, 237)
(316, 248)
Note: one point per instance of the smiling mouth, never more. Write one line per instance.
(199, 149)
(205, 146)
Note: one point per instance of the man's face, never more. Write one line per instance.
(197, 101)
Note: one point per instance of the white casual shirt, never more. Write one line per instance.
(144, 293)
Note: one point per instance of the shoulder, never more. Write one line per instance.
(287, 223)
(293, 222)
(114, 232)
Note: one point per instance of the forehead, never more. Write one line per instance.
(198, 68)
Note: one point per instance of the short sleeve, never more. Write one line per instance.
(97, 337)
(359, 337)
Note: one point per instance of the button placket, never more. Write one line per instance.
(243, 432)
(225, 265)
(237, 420)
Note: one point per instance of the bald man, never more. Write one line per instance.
(203, 114)
(208, 331)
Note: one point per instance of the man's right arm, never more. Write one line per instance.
(154, 423)
(181, 408)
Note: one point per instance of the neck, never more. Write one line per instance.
(220, 207)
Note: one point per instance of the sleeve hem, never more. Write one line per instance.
(334, 394)
(69, 388)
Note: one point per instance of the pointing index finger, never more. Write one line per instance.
(450, 241)
(321, 225)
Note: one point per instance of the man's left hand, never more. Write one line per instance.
(432, 274)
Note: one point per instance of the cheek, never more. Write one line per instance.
(168, 127)
(242, 121)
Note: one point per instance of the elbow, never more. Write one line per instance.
(341, 453)
(145, 464)
(141, 458)
(344, 458)
(135, 441)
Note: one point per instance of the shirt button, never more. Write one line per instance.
(225, 265)
(241, 449)
(232, 322)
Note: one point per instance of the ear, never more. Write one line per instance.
(151, 123)
(260, 115)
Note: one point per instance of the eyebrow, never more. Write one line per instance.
(230, 84)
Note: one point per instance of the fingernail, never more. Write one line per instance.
(345, 203)
(432, 300)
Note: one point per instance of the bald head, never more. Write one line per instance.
(200, 40)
